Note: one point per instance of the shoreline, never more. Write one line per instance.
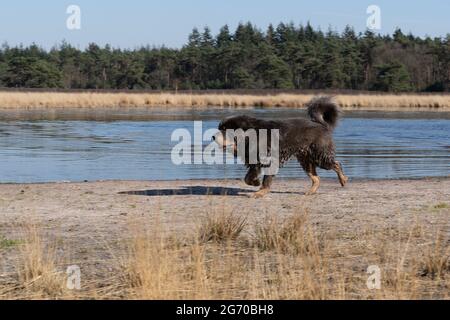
(55, 200)
(106, 101)
(233, 180)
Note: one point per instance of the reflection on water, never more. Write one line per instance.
(369, 145)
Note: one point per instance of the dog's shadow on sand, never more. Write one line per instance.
(197, 191)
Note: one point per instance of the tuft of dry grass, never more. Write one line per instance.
(221, 227)
(436, 262)
(151, 269)
(55, 100)
(291, 235)
(37, 267)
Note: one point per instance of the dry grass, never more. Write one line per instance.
(31, 100)
(36, 276)
(221, 227)
(437, 258)
(226, 268)
(292, 235)
(150, 269)
(287, 258)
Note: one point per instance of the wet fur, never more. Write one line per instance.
(309, 140)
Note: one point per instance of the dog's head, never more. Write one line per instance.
(229, 128)
(241, 135)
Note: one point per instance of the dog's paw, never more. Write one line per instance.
(343, 181)
(259, 194)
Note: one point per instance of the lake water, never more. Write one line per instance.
(136, 144)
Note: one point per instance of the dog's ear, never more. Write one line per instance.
(238, 122)
(248, 123)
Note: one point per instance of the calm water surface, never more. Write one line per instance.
(80, 145)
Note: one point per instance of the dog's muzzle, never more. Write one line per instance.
(223, 142)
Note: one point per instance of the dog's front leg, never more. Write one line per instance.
(338, 169)
(312, 174)
(252, 176)
(265, 188)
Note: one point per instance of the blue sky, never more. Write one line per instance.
(129, 24)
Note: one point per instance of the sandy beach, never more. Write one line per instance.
(88, 219)
(101, 208)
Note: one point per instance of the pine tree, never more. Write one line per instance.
(392, 77)
(224, 37)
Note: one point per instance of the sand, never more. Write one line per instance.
(101, 209)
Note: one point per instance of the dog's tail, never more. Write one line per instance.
(325, 111)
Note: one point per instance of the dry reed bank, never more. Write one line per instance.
(32, 100)
(131, 243)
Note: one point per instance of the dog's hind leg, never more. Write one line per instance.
(338, 169)
(252, 176)
(265, 188)
(312, 174)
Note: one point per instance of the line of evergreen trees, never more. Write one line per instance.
(283, 57)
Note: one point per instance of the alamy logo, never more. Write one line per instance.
(251, 147)
(73, 22)
(73, 277)
(374, 279)
(374, 19)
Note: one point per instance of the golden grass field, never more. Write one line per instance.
(30, 100)
(287, 246)
(283, 259)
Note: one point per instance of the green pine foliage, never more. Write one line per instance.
(283, 57)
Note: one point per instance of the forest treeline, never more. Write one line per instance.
(283, 57)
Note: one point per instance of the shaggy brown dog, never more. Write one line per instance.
(309, 140)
